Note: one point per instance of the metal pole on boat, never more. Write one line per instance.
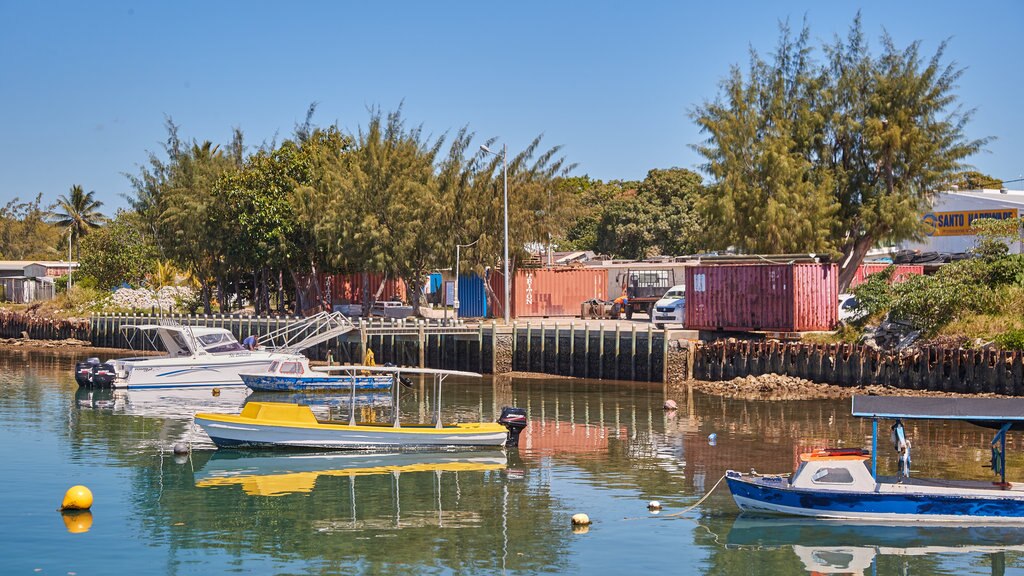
(439, 379)
(395, 376)
(352, 402)
(874, 448)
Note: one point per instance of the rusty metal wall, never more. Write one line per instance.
(768, 297)
(551, 291)
(902, 272)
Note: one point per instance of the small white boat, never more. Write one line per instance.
(296, 375)
(279, 424)
(196, 357)
(845, 484)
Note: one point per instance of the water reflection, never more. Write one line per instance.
(831, 547)
(276, 474)
(596, 447)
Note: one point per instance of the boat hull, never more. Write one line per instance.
(154, 373)
(324, 383)
(754, 495)
(270, 425)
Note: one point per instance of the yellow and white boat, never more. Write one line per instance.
(280, 424)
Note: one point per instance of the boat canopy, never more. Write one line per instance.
(398, 370)
(928, 408)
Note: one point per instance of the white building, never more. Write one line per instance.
(949, 221)
(23, 281)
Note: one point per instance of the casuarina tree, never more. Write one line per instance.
(831, 156)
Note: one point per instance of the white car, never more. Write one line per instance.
(848, 309)
(671, 309)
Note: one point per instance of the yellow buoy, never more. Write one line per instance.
(77, 498)
(77, 521)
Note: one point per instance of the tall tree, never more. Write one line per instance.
(78, 212)
(118, 252)
(26, 231)
(831, 157)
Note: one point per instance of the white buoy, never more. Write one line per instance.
(581, 520)
(670, 405)
(180, 448)
(654, 506)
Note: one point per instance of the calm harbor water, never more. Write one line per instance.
(599, 448)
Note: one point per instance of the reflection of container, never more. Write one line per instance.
(552, 292)
(772, 297)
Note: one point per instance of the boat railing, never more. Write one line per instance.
(306, 333)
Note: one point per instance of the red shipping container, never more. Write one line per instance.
(902, 272)
(551, 291)
(768, 297)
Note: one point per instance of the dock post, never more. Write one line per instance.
(423, 342)
(362, 341)
(558, 362)
(542, 346)
(650, 352)
(572, 348)
(529, 346)
(586, 350)
(480, 348)
(600, 352)
(618, 342)
(632, 354)
(874, 448)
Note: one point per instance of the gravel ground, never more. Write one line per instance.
(776, 387)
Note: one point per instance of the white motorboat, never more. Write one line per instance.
(196, 357)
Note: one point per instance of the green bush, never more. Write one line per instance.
(1007, 271)
(876, 294)
(931, 302)
(1011, 340)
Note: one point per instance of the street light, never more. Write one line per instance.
(504, 172)
(455, 302)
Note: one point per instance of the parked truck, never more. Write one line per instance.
(645, 287)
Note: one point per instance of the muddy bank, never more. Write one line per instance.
(776, 387)
(69, 346)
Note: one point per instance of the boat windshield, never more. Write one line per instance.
(219, 342)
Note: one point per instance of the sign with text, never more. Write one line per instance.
(959, 223)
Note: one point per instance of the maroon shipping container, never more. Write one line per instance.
(551, 291)
(902, 272)
(768, 297)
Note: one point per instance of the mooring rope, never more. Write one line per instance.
(684, 510)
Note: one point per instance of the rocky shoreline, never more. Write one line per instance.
(777, 387)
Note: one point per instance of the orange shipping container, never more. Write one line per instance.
(551, 291)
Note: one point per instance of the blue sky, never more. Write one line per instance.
(85, 86)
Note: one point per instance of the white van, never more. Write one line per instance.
(671, 309)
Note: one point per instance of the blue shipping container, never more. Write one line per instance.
(436, 281)
(472, 297)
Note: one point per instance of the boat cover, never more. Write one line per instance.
(971, 409)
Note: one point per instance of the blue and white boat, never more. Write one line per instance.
(845, 483)
(295, 375)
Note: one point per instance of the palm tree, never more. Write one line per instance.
(80, 214)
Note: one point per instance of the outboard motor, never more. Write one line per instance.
(83, 371)
(103, 376)
(92, 374)
(515, 420)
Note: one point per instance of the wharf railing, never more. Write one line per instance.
(565, 348)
